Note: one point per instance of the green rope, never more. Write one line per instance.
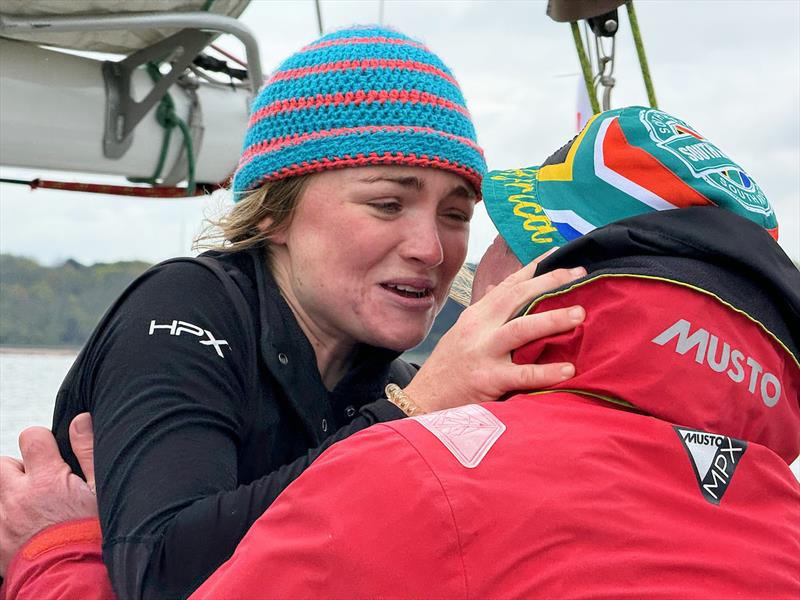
(637, 40)
(169, 119)
(587, 70)
(187, 141)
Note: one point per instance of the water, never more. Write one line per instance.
(28, 385)
(29, 382)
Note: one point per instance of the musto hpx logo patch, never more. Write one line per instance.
(714, 459)
(176, 328)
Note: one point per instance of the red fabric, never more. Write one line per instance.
(354, 65)
(279, 143)
(363, 40)
(358, 97)
(62, 562)
(615, 356)
(574, 500)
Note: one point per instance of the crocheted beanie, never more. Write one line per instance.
(357, 97)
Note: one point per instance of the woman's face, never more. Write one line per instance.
(370, 252)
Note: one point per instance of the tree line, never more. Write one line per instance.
(60, 306)
(57, 306)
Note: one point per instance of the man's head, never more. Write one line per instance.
(623, 163)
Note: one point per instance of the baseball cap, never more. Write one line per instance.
(623, 163)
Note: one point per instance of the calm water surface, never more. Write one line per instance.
(28, 386)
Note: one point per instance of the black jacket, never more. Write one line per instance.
(206, 403)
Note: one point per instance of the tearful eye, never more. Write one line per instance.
(458, 216)
(386, 207)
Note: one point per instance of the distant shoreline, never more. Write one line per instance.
(59, 350)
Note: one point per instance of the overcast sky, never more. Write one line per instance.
(731, 69)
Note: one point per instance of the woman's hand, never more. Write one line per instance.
(41, 490)
(472, 361)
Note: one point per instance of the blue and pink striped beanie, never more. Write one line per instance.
(357, 97)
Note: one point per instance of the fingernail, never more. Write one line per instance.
(567, 371)
(577, 272)
(576, 313)
(83, 423)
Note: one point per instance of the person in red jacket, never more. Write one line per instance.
(660, 470)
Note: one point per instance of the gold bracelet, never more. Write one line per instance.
(396, 395)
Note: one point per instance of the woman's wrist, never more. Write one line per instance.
(397, 396)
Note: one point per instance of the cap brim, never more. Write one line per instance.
(510, 197)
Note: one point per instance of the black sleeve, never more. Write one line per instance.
(167, 378)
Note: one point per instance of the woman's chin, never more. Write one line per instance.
(402, 338)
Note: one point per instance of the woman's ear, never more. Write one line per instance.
(275, 236)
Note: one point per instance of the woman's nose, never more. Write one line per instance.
(423, 243)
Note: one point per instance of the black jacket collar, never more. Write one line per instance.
(710, 248)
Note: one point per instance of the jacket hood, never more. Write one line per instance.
(681, 330)
(707, 247)
(678, 354)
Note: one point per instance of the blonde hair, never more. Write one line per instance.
(461, 289)
(240, 227)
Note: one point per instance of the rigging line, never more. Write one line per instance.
(605, 75)
(215, 82)
(117, 190)
(587, 44)
(594, 56)
(229, 55)
(319, 16)
(585, 67)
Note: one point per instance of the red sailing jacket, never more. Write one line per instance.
(661, 473)
(659, 470)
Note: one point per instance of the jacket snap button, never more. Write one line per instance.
(283, 359)
(324, 425)
(349, 411)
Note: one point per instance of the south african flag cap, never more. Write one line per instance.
(624, 162)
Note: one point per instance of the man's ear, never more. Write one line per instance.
(276, 236)
(497, 263)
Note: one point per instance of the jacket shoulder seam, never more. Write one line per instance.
(449, 505)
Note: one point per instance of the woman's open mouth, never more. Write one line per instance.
(407, 291)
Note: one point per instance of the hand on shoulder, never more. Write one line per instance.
(472, 361)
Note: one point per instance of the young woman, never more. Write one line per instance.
(214, 382)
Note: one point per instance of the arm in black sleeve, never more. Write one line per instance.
(178, 556)
(205, 534)
(168, 418)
